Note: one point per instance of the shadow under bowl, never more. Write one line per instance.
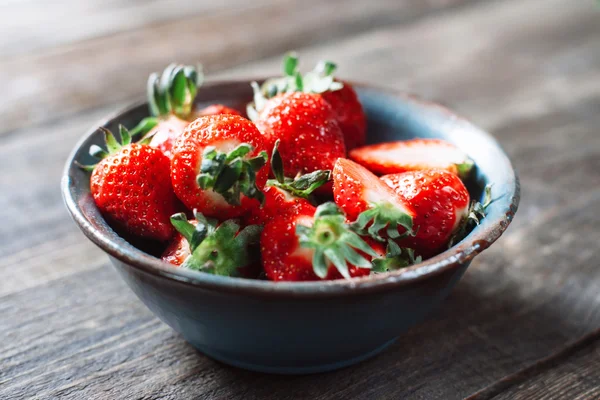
(304, 327)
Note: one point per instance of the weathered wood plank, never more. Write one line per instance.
(102, 71)
(573, 373)
(492, 61)
(65, 22)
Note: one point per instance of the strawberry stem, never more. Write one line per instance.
(333, 242)
(232, 174)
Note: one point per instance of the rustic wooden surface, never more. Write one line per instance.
(524, 323)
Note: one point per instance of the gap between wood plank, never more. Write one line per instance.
(543, 364)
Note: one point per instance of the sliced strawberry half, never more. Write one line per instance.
(368, 201)
(413, 155)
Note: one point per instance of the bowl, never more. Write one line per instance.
(304, 327)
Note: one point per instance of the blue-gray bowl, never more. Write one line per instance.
(304, 327)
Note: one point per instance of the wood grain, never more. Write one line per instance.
(68, 79)
(65, 22)
(570, 373)
(527, 70)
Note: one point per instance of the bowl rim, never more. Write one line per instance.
(477, 241)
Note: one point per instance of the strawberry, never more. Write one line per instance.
(310, 138)
(440, 201)
(171, 103)
(216, 166)
(314, 243)
(340, 95)
(131, 186)
(283, 194)
(366, 199)
(350, 115)
(412, 155)
(204, 245)
(217, 109)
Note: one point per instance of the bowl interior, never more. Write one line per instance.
(391, 116)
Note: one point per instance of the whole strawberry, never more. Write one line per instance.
(441, 203)
(205, 245)
(131, 187)
(304, 123)
(217, 166)
(342, 98)
(310, 243)
(171, 103)
(374, 206)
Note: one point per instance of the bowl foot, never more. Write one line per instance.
(292, 370)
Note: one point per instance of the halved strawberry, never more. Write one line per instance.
(314, 243)
(205, 245)
(412, 155)
(217, 166)
(131, 186)
(171, 103)
(441, 203)
(370, 202)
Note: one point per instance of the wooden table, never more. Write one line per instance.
(522, 324)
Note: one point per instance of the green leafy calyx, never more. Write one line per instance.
(319, 80)
(217, 249)
(395, 258)
(383, 216)
(232, 174)
(300, 186)
(476, 212)
(174, 91)
(170, 93)
(112, 145)
(334, 242)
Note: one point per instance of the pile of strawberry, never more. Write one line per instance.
(291, 194)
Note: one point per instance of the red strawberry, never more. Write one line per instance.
(340, 95)
(178, 250)
(131, 187)
(305, 124)
(350, 115)
(440, 201)
(217, 109)
(204, 245)
(216, 166)
(283, 194)
(164, 134)
(369, 201)
(412, 155)
(311, 244)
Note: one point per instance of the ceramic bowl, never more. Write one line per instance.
(304, 327)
